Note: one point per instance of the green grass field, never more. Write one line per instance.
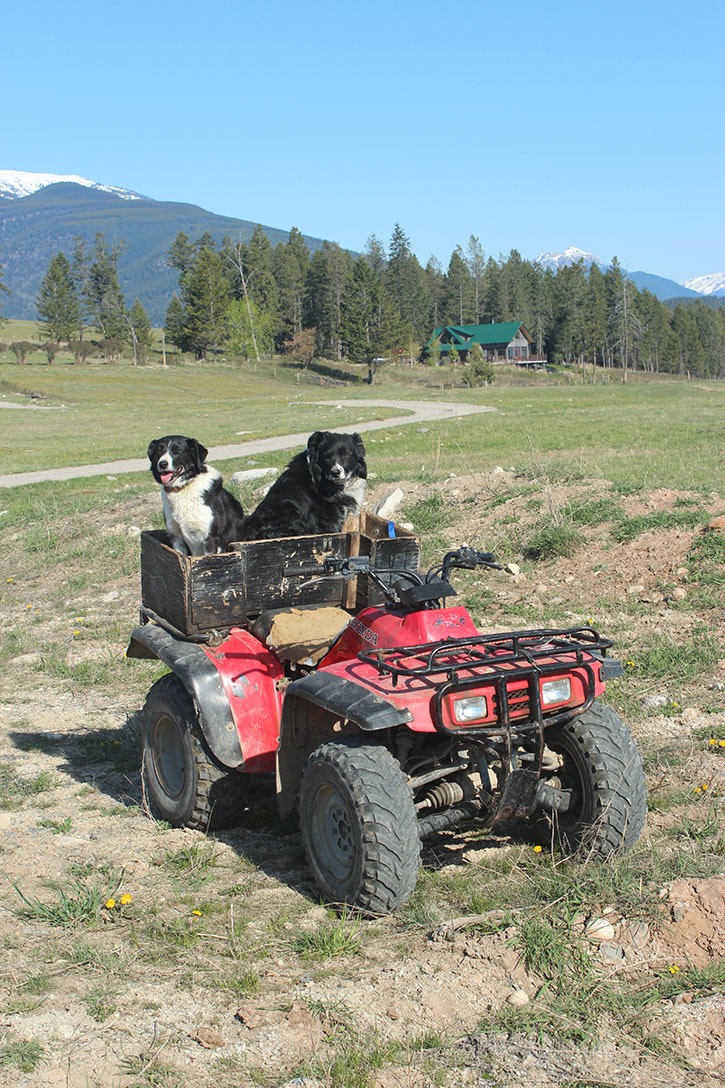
(658, 434)
(103, 904)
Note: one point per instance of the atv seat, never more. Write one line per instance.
(300, 635)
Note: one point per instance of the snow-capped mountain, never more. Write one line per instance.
(19, 183)
(555, 261)
(714, 284)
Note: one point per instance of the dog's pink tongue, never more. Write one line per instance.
(166, 476)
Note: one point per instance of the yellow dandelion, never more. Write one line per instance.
(674, 969)
(76, 632)
(704, 787)
(196, 913)
(538, 849)
(697, 789)
(126, 899)
(10, 581)
(713, 742)
(721, 744)
(110, 904)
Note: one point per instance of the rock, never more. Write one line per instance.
(613, 953)
(252, 474)
(683, 573)
(716, 525)
(654, 702)
(634, 590)
(112, 596)
(407, 525)
(512, 568)
(599, 931)
(638, 932)
(387, 506)
(208, 1038)
(497, 470)
(679, 593)
(133, 530)
(518, 999)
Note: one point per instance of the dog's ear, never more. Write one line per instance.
(153, 444)
(360, 450)
(312, 444)
(198, 452)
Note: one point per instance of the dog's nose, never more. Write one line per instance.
(337, 471)
(162, 463)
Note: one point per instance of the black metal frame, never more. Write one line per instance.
(481, 656)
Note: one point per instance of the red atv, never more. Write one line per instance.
(407, 721)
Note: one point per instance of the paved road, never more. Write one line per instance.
(418, 412)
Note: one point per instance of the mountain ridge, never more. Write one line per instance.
(43, 213)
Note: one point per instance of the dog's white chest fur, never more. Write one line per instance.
(187, 514)
(356, 489)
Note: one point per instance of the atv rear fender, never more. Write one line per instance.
(234, 687)
(317, 708)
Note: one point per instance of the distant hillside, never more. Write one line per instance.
(662, 288)
(34, 228)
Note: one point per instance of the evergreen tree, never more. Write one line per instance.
(405, 286)
(182, 252)
(79, 273)
(366, 325)
(328, 272)
(476, 263)
(103, 291)
(435, 289)
(4, 290)
(290, 264)
(374, 254)
(458, 299)
(57, 302)
(205, 297)
(142, 334)
(259, 270)
(174, 325)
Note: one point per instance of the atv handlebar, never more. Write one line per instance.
(435, 582)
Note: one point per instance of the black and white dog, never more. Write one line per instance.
(320, 488)
(201, 517)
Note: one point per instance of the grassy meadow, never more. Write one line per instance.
(224, 934)
(640, 434)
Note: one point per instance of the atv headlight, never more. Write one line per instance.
(556, 691)
(471, 709)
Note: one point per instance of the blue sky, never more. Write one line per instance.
(531, 125)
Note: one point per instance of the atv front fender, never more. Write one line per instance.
(203, 682)
(317, 708)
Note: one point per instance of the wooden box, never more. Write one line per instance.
(194, 595)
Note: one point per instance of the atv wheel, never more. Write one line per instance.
(359, 826)
(183, 782)
(603, 770)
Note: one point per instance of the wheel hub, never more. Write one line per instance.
(168, 756)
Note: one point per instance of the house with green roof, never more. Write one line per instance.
(501, 341)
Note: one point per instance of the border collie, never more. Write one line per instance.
(321, 487)
(201, 517)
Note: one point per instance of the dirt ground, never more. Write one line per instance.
(197, 979)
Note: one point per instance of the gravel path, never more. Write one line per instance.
(418, 412)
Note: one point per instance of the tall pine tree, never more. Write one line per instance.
(57, 302)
